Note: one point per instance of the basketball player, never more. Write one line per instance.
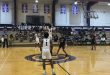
(62, 44)
(5, 43)
(46, 52)
(2, 40)
(36, 39)
(103, 40)
(93, 40)
(50, 32)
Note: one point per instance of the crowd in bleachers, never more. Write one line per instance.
(73, 36)
(83, 36)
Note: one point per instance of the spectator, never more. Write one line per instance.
(5, 43)
(2, 40)
(11, 38)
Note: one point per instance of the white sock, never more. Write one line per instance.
(53, 70)
(44, 72)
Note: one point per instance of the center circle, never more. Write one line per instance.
(56, 59)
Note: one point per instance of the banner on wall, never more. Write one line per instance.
(35, 8)
(63, 9)
(5, 7)
(74, 9)
(24, 8)
(46, 8)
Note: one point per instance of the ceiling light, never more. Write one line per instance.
(75, 2)
(108, 4)
(36, 1)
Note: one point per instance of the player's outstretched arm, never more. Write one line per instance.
(41, 44)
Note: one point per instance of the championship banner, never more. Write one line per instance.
(63, 9)
(46, 8)
(5, 7)
(74, 9)
(24, 8)
(35, 8)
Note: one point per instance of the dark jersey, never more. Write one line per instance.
(93, 39)
(62, 41)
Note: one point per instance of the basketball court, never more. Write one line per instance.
(80, 27)
(13, 61)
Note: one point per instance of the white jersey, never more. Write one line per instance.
(46, 43)
(46, 49)
(50, 33)
(2, 39)
(102, 39)
(36, 38)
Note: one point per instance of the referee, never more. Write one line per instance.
(5, 43)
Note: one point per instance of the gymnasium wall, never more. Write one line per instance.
(6, 17)
(76, 19)
(22, 16)
(69, 19)
(103, 12)
(61, 19)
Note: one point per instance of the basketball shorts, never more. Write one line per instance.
(93, 42)
(62, 46)
(37, 40)
(46, 54)
(50, 37)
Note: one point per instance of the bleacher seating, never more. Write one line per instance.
(74, 35)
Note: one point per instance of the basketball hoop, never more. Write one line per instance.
(91, 14)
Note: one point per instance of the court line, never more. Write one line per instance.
(64, 69)
(4, 62)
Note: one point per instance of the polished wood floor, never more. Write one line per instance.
(87, 62)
